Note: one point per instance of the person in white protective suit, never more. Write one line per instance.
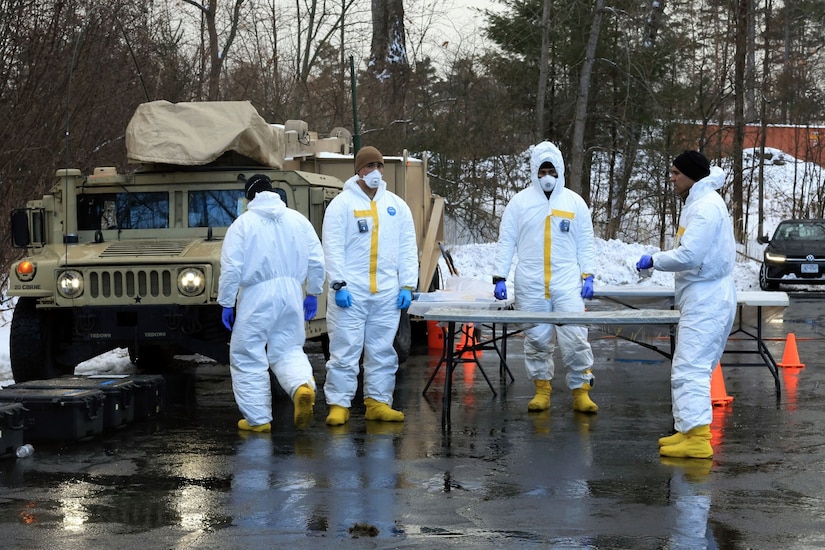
(268, 253)
(703, 258)
(372, 267)
(550, 229)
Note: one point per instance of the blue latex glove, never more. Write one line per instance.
(310, 307)
(646, 262)
(404, 298)
(228, 317)
(501, 290)
(343, 298)
(587, 288)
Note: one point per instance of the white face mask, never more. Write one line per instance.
(548, 183)
(373, 179)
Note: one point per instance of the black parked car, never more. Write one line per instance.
(794, 255)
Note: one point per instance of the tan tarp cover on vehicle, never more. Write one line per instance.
(192, 134)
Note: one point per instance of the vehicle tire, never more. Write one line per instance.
(764, 283)
(403, 338)
(30, 342)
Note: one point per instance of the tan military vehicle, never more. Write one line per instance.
(132, 260)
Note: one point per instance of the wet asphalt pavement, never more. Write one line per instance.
(499, 478)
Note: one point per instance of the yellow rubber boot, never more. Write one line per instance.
(540, 401)
(337, 416)
(304, 401)
(695, 445)
(678, 437)
(582, 401)
(244, 425)
(381, 411)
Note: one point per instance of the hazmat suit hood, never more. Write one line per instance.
(267, 204)
(713, 181)
(546, 152)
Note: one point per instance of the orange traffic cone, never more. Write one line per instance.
(718, 394)
(790, 359)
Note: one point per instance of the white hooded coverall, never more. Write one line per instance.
(554, 241)
(703, 261)
(370, 244)
(268, 253)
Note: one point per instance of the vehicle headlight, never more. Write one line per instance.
(70, 284)
(191, 281)
(775, 258)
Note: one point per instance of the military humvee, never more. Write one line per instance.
(132, 260)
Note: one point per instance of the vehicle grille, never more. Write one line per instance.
(119, 283)
(144, 248)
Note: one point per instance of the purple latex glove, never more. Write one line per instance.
(228, 318)
(500, 291)
(310, 307)
(587, 288)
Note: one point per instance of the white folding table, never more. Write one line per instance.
(754, 308)
(454, 314)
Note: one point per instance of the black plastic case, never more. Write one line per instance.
(59, 414)
(12, 418)
(119, 408)
(150, 392)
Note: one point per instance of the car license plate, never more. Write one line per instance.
(810, 268)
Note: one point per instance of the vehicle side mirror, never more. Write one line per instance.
(763, 239)
(27, 227)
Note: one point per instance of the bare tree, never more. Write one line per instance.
(217, 54)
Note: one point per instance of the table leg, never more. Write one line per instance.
(444, 352)
(765, 352)
(449, 342)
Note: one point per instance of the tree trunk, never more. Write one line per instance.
(577, 153)
(739, 116)
(544, 59)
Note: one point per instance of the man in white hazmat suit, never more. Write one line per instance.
(703, 258)
(268, 253)
(550, 229)
(372, 266)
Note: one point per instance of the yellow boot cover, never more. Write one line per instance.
(304, 401)
(678, 437)
(695, 445)
(582, 401)
(540, 401)
(337, 416)
(244, 425)
(381, 411)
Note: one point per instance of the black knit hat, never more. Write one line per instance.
(257, 184)
(693, 164)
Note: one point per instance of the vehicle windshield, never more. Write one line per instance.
(140, 210)
(215, 208)
(800, 231)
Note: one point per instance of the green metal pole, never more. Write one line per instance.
(356, 134)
